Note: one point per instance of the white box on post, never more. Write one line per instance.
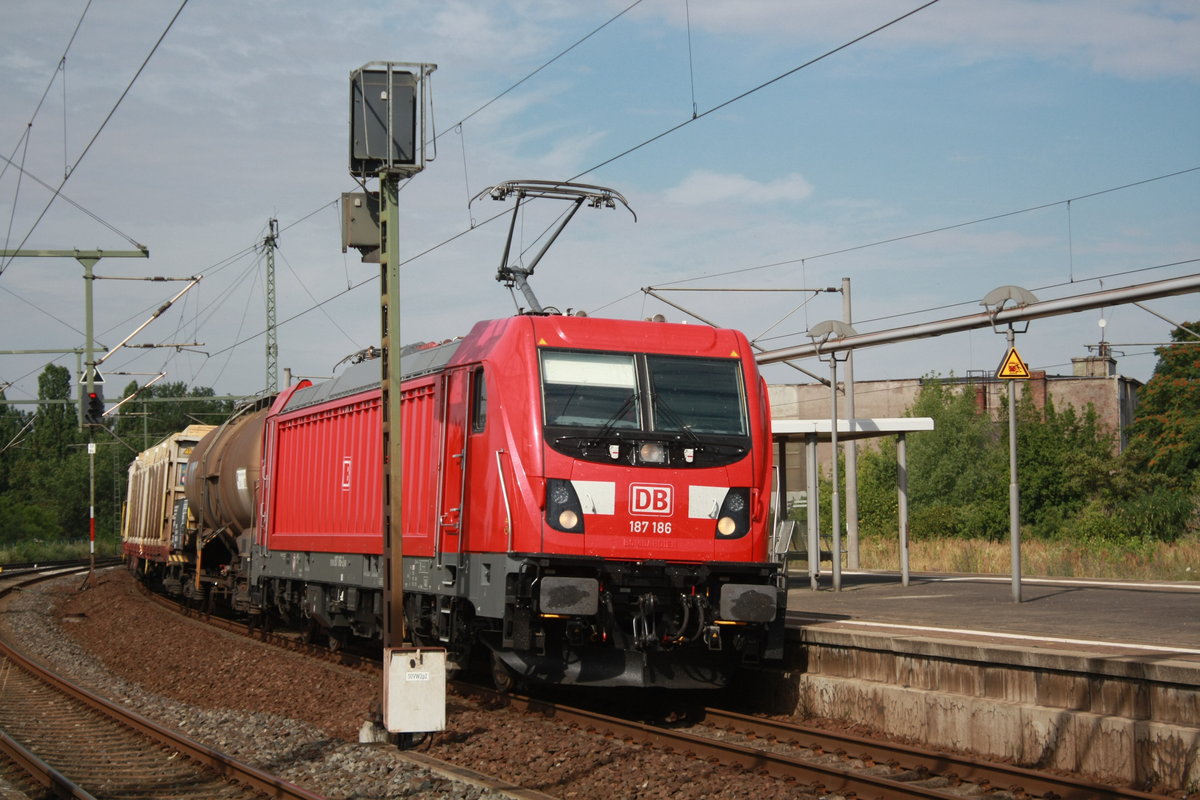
(414, 689)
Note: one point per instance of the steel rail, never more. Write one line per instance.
(821, 777)
(227, 766)
(975, 770)
(255, 779)
(39, 772)
(936, 763)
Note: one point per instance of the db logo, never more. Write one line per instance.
(650, 498)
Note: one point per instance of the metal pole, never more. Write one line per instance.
(902, 492)
(851, 447)
(79, 395)
(812, 507)
(389, 296)
(270, 243)
(89, 361)
(1014, 490)
(91, 508)
(782, 513)
(837, 495)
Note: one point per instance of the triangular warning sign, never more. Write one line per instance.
(1012, 366)
(97, 378)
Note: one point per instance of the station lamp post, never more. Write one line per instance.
(1012, 369)
(821, 333)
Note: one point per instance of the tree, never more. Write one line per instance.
(959, 472)
(1165, 436)
(44, 463)
(167, 408)
(1063, 459)
(955, 484)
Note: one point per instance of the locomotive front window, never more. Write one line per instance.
(593, 390)
(697, 395)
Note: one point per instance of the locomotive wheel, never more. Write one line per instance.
(311, 633)
(503, 677)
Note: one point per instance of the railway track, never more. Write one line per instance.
(826, 762)
(816, 760)
(912, 761)
(72, 743)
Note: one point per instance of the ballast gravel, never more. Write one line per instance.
(150, 661)
(299, 719)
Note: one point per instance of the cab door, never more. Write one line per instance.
(453, 467)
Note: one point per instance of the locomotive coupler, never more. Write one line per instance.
(644, 629)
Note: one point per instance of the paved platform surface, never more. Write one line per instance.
(1109, 618)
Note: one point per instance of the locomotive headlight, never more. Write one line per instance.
(652, 453)
(564, 512)
(733, 520)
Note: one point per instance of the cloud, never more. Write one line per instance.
(1135, 39)
(704, 186)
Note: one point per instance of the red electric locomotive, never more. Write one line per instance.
(584, 498)
(588, 498)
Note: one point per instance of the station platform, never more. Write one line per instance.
(1098, 678)
(1107, 618)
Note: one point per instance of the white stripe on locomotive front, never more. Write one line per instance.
(600, 497)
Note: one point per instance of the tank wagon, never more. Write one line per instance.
(586, 499)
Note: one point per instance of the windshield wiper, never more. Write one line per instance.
(663, 407)
(612, 421)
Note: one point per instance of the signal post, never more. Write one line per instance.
(387, 101)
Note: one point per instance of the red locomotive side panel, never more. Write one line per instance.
(420, 415)
(494, 448)
(330, 457)
(585, 497)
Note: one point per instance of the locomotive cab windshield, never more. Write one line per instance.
(644, 408)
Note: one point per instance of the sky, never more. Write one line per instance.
(774, 145)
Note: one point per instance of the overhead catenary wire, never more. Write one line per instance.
(755, 89)
(49, 85)
(88, 212)
(447, 241)
(930, 231)
(560, 54)
(96, 135)
(610, 160)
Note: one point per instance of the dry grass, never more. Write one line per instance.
(1179, 561)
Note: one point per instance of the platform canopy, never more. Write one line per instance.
(814, 431)
(802, 429)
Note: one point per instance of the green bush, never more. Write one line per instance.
(44, 550)
(25, 521)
